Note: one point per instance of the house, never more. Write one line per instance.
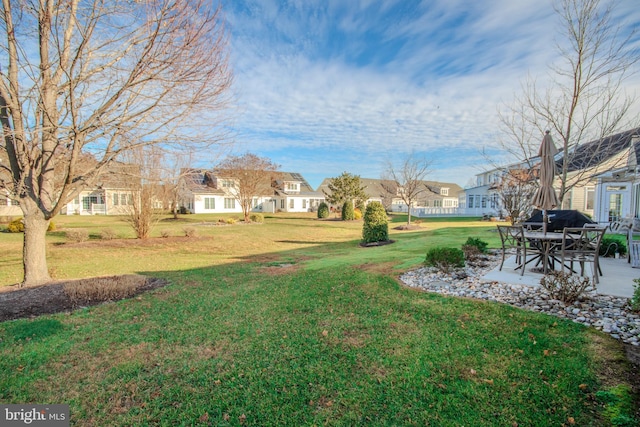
(113, 193)
(9, 206)
(201, 191)
(436, 198)
(604, 174)
(294, 194)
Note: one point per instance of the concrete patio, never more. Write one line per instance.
(617, 278)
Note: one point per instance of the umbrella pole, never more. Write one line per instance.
(545, 221)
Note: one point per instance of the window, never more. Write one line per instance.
(304, 203)
(4, 202)
(437, 203)
(123, 199)
(444, 191)
(484, 201)
(281, 203)
(209, 203)
(589, 198)
(470, 200)
(255, 202)
(116, 199)
(229, 203)
(291, 204)
(566, 202)
(227, 183)
(291, 186)
(15, 203)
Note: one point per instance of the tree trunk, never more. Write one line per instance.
(409, 214)
(34, 250)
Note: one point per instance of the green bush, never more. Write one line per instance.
(478, 243)
(376, 224)
(16, 226)
(347, 211)
(357, 214)
(323, 210)
(610, 245)
(634, 302)
(256, 217)
(445, 259)
(52, 226)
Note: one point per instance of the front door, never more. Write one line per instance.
(616, 201)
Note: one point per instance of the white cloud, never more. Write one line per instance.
(437, 93)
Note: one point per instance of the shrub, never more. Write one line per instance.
(478, 243)
(77, 235)
(347, 211)
(101, 289)
(16, 226)
(189, 232)
(634, 302)
(565, 287)
(357, 214)
(108, 234)
(183, 210)
(471, 252)
(256, 217)
(323, 210)
(230, 220)
(445, 259)
(610, 245)
(165, 233)
(376, 224)
(52, 226)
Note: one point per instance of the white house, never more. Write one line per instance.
(203, 192)
(605, 173)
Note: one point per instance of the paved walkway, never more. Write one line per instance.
(617, 279)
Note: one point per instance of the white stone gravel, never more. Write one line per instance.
(607, 313)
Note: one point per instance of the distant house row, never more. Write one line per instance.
(609, 189)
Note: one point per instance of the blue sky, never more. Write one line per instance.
(326, 86)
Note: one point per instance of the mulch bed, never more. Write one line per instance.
(33, 301)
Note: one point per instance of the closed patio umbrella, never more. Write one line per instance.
(545, 197)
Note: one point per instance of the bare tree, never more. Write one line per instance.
(406, 180)
(251, 176)
(515, 189)
(584, 100)
(96, 78)
(173, 171)
(143, 180)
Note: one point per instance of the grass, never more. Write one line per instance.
(291, 323)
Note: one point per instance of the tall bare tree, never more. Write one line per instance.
(251, 176)
(584, 99)
(406, 180)
(97, 78)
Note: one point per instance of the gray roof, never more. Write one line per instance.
(593, 153)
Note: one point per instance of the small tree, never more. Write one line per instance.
(347, 211)
(142, 177)
(251, 175)
(516, 188)
(376, 224)
(323, 210)
(345, 187)
(406, 181)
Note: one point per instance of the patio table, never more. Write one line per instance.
(546, 243)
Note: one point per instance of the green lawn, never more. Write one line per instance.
(292, 323)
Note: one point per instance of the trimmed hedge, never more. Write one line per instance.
(376, 224)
